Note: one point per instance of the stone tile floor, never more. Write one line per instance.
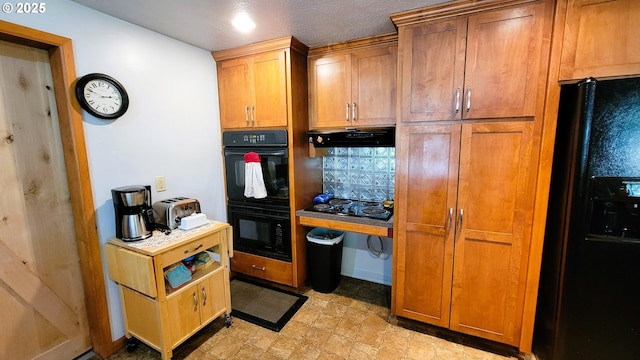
(350, 323)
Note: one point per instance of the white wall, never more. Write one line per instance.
(361, 263)
(172, 127)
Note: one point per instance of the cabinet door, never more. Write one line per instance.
(184, 313)
(432, 63)
(600, 40)
(330, 91)
(494, 193)
(373, 86)
(234, 93)
(269, 107)
(212, 296)
(427, 179)
(502, 62)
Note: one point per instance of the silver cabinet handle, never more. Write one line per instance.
(259, 268)
(204, 297)
(253, 114)
(195, 302)
(468, 98)
(450, 218)
(457, 100)
(246, 114)
(346, 113)
(459, 230)
(353, 112)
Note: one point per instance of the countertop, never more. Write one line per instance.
(160, 242)
(357, 224)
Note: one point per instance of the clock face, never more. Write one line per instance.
(102, 96)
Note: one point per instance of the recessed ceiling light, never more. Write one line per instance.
(243, 23)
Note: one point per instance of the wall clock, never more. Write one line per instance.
(102, 96)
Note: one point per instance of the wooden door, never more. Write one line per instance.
(427, 175)
(493, 230)
(234, 93)
(184, 313)
(42, 304)
(601, 39)
(432, 70)
(269, 73)
(330, 91)
(502, 63)
(373, 86)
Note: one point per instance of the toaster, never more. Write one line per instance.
(168, 213)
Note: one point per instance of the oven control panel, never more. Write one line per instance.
(255, 138)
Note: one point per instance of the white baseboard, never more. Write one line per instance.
(367, 276)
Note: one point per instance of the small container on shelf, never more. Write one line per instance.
(203, 261)
(190, 263)
(177, 275)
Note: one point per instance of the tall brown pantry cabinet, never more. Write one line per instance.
(460, 231)
(471, 89)
(264, 85)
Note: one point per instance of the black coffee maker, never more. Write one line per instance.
(134, 214)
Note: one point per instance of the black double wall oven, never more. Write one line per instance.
(261, 226)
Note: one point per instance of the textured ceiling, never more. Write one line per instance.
(207, 23)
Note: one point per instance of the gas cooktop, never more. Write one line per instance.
(346, 207)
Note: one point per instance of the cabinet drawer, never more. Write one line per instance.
(187, 249)
(131, 269)
(263, 268)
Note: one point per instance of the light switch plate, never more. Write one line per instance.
(161, 183)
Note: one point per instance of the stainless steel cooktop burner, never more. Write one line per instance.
(345, 207)
(371, 204)
(343, 202)
(322, 207)
(374, 211)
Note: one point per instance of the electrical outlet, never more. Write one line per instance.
(161, 183)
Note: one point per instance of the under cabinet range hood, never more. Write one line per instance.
(374, 137)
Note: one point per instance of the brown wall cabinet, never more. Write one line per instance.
(462, 229)
(600, 39)
(253, 91)
(472, 67)
(353, 85)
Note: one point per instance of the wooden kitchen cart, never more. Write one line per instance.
(154, 313)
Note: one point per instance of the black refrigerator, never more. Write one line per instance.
(589, 296)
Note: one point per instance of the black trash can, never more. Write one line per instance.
(324, 258)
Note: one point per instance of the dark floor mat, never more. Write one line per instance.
(261, 305)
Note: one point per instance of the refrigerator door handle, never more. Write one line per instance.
(587, 93)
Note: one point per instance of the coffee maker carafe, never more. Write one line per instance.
(134, 214)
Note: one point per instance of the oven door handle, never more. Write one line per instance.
(261, 152)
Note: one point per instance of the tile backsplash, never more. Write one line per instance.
(360, 173)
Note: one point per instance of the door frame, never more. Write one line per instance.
(75, 158)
